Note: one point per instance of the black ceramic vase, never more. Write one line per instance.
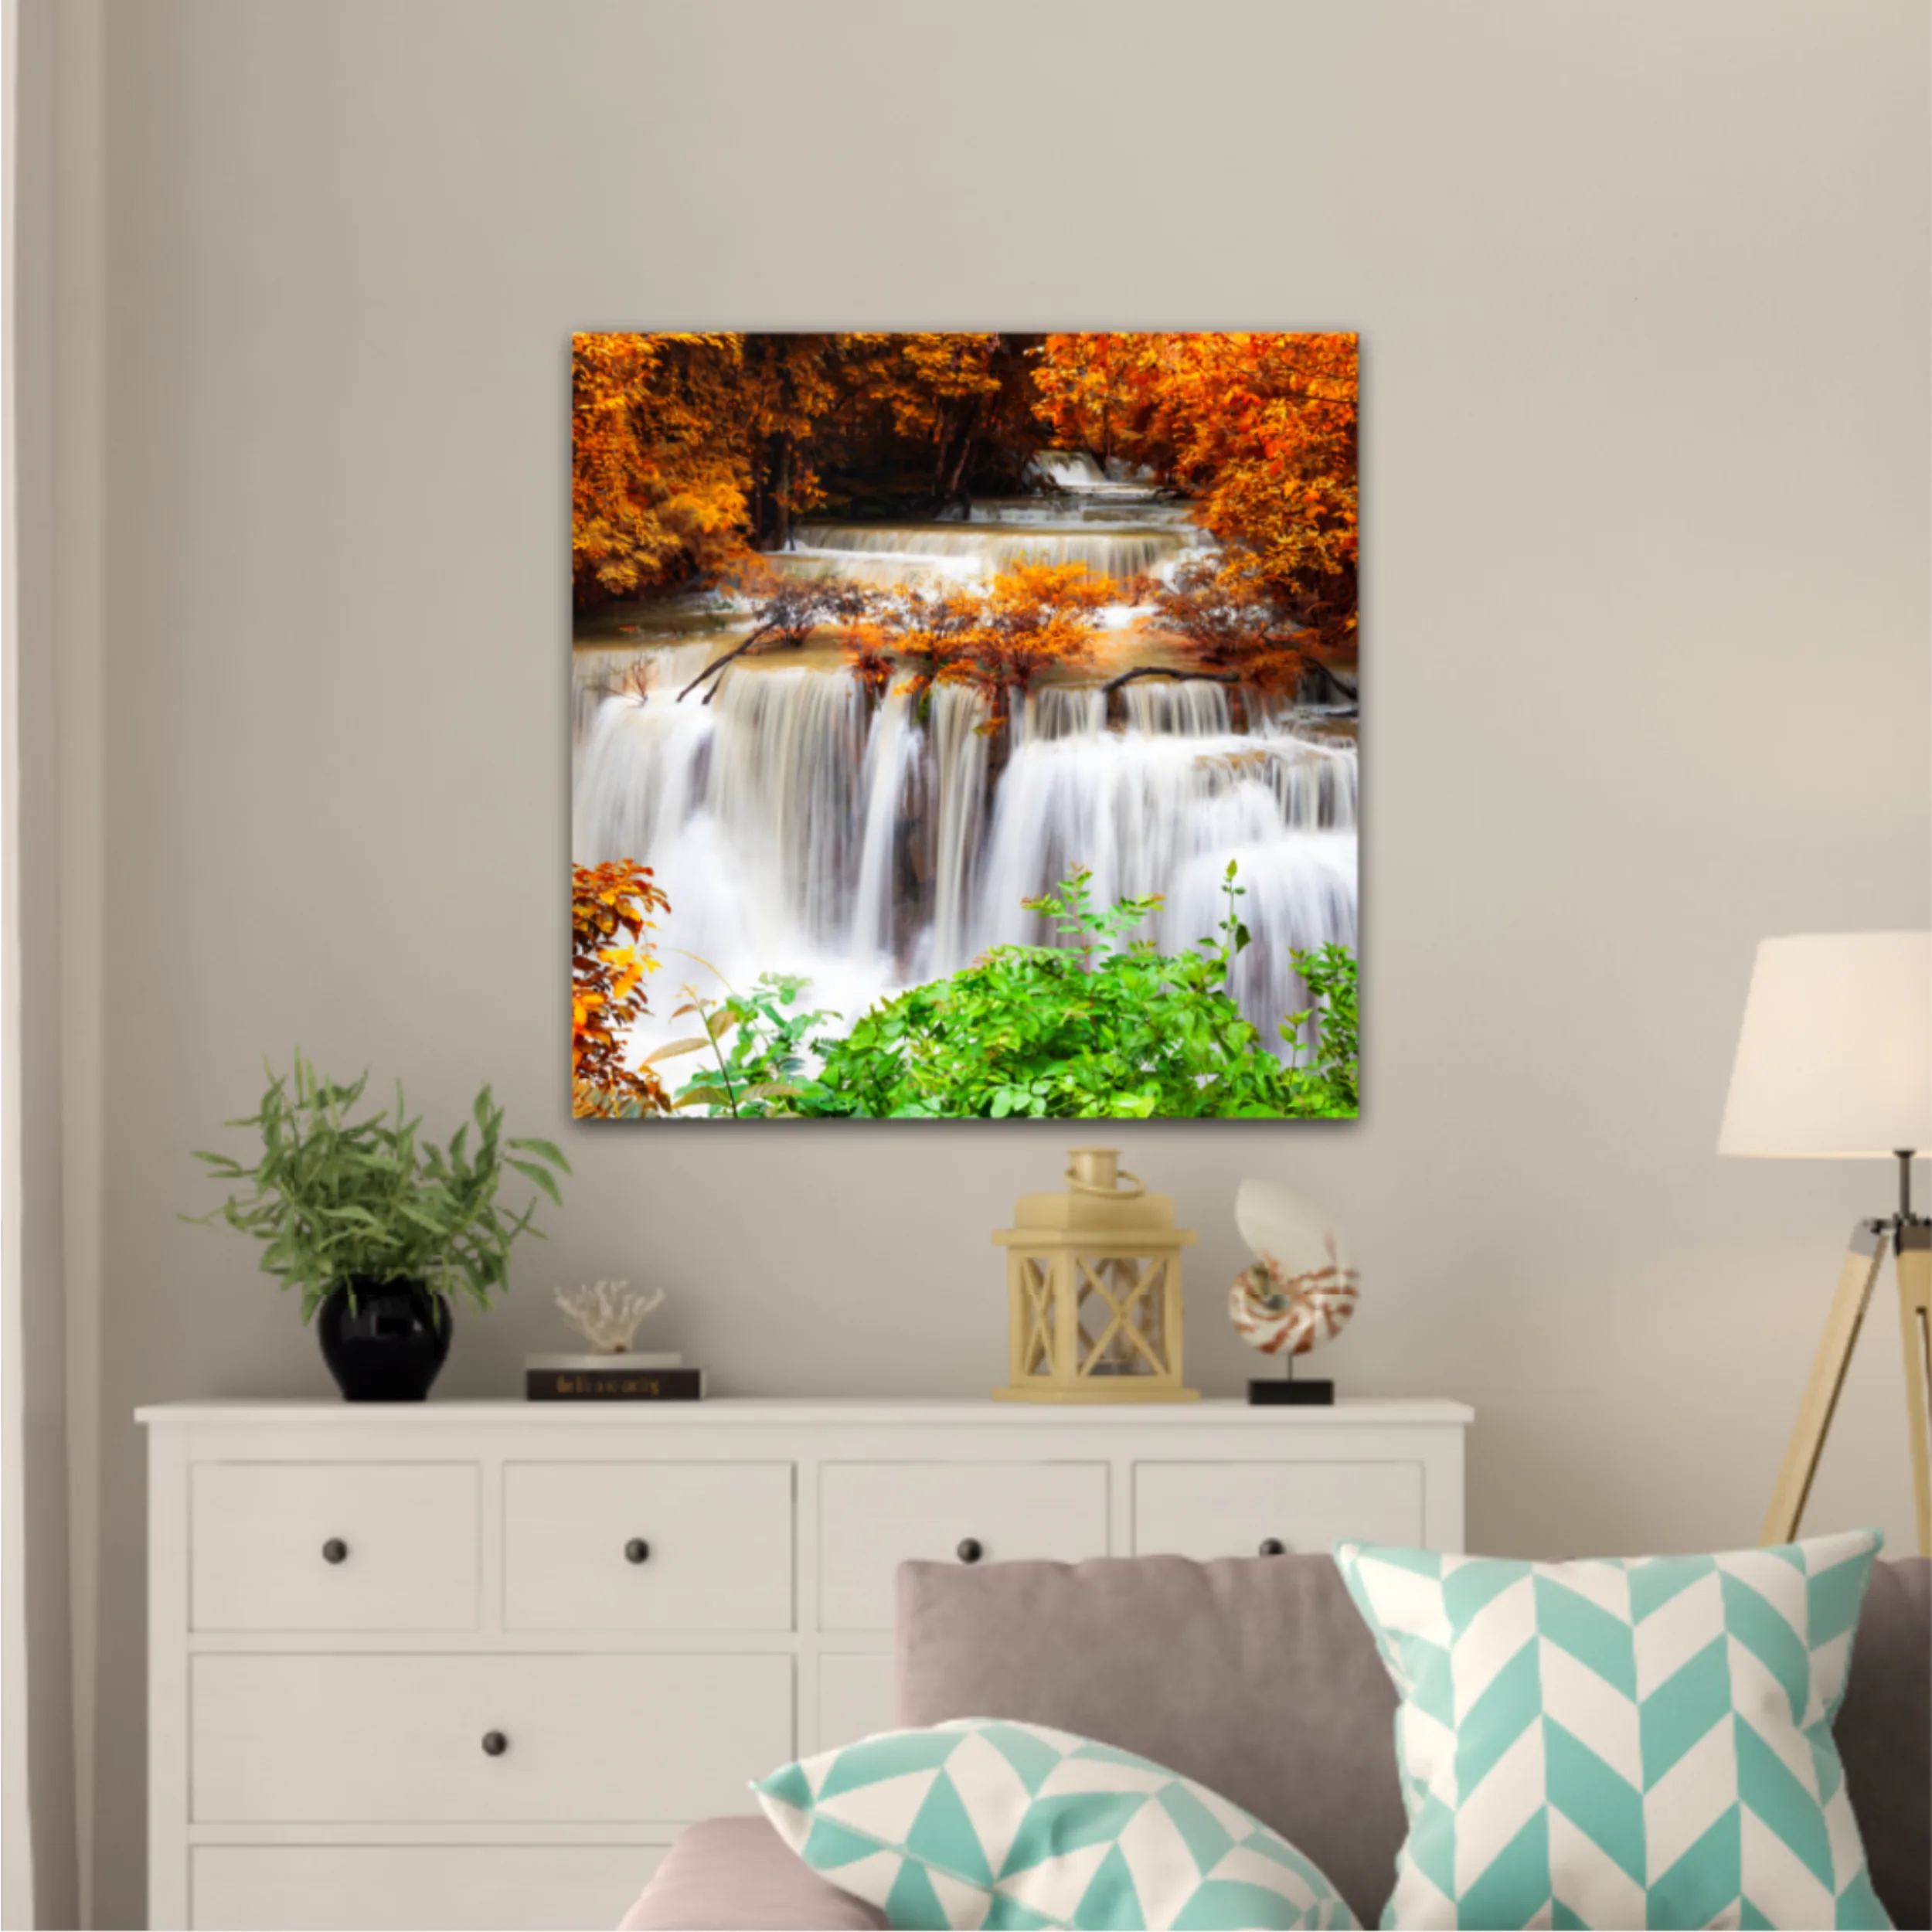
(384, 1341)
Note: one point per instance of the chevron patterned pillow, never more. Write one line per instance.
(1623, 1744)
(994, 1824)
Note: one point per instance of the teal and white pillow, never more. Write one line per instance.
(987, 1824)
(1623, 1744)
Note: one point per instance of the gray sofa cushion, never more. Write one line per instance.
(1884, 1732)
(1255, 1676)
(738, 1875)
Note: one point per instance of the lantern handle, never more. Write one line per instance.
(1077, 1185)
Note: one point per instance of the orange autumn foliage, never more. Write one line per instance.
(658, 474)
(1031, 618)
(1228, 622)
(610, 959)
(1260, 429)
(1034, 616)
(943, 392)
(690, 450)
(693, 452)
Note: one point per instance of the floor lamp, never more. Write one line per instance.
(1835, 1061)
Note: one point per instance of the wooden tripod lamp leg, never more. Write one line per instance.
(1848, 1303)
(1915, 1315)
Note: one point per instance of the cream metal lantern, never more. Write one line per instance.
(1093, 1290)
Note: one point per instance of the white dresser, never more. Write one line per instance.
(474, 1664)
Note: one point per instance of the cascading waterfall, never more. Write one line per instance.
(960, 762)
(891, 760)
(1077, 472)
(1160, 809)
(639, 765)
(1139, 505)
(879, 551)
(799, 826)
(1071, 470)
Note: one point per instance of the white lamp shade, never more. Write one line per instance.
(1835, 1057)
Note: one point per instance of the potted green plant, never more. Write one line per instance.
(378, 1229)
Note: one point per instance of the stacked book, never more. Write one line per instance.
(611, 1378)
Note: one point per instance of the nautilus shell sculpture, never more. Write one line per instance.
(1300, 1289)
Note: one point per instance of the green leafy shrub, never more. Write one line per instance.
(1100, 1026)
(1334, 1081)
(760, 1045)
(332, 1198)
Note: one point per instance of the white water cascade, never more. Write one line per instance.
(886, 553)
(799, 826)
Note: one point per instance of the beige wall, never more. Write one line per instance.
(1642, 289)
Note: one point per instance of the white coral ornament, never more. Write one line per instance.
(1301, 1289)
(608, 1314)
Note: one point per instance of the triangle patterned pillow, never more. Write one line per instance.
(1623, 1744)
(985, 1823)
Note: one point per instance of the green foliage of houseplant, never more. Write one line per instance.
(335, 1200)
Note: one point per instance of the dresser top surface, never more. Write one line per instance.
(723, 1412)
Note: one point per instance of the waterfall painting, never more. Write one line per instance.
(965, 727)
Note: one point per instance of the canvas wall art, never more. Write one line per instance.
(965, 726)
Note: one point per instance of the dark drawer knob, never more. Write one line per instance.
(494, 1743)
(636, 1550)
(970, 1550)
(1273, 1546)
(334, 1550)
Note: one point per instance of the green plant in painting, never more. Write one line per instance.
(1100, 1025)
(1097, 1024)
(1332, 1084)
(759, 1045)
(334, 1198)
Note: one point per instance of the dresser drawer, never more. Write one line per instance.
(874, 1516)
(415, 1888)
(334, 1545)
(1205, 1509)
(399, 1739)
(647, 1546)
(854, 1697)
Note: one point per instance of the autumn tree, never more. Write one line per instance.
(691, 449)
(611, 957)
(1260, 429)
(917, 422)
(659, 474)
(1082, 389)
(791, 384)
(1033, 617)
(955, 393)
(1235, 629)
(1036, 617)
(920, 629)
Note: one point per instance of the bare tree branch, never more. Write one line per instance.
(764, 634)
(1336, 685)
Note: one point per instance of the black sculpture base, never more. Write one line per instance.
(1313, 1394)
